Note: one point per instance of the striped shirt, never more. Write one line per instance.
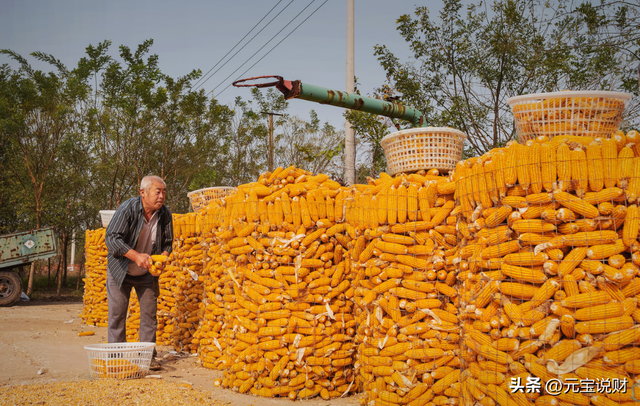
(123, 232)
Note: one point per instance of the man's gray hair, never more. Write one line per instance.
(148, 181)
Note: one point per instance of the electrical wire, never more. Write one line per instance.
(274, 47)
(198, 84)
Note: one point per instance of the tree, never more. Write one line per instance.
(144, 122)
(37, 119)
(309, 145)
(466, 64)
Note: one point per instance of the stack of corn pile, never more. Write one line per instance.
(187, 290)
(95, 311)
(404, 257)
(133, 318)
(550, 272)
(162, 316)
(215, 278)
(166, 283)
(284, 248)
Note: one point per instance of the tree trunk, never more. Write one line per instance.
(55, 278)
(32, 273)
(59, 276)
(65, 243)
(79, 275)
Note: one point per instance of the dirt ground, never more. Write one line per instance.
(39, 343)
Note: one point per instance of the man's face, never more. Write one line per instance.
(154, 197)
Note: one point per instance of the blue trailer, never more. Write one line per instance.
(18, 250)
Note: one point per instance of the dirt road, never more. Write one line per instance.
(39, 343)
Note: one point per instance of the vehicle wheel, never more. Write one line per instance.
(10, 288)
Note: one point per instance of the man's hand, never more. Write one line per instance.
(142, 260)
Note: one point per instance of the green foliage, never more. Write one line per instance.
(309, 145)
(469, 61)
(77, 141)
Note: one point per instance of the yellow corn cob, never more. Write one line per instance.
(412, 202)
(563, 163)
(570, 285)
(532, 226)
(576, 204)
(338, 206)
(620, 339)
(498, 216)
(500, 250)
(533, 161)
(625, 166)
(517, 290)
(631, 225)
(579, 171)
(522, 167)
(523, 274)
(489, 175)
(587, 238)
(595, 167)
(474, 187)
(633, 189)
(423, 202)
(548, 166)
(607, 325)
(402, 203)
(609, 162)
(525, 259)
(364, 208)
(510, 165)
(483, 187)
(572, 260)
(598, 312)
(586, 300)
(499, 162)
(305, 213)
(392, 206)
(544, 292)
(447, 381)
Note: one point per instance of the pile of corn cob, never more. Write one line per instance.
(550, 273)
(280, 283)
(404, 257)
(187, 287)
(133, 318)
(95, 311)
(216, 279)
(166, 302)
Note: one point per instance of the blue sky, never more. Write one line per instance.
(191, 34)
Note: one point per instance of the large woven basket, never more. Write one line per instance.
(583, 113)
(119, 360)
(423, 148)
(202, 197)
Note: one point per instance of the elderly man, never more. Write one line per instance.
(141, 227)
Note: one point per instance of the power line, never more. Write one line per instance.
(198, 84)
(274, 47)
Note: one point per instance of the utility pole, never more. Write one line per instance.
(271, 114)
(349, 132)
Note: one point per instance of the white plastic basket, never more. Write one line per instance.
(202, 197)
(423, 148)
(583, 113)
(119, 360)
(106, 216)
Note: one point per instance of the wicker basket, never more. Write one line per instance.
(202, 197)
(106, 216)
(119, 360)
(583, 113)
(423, 148)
